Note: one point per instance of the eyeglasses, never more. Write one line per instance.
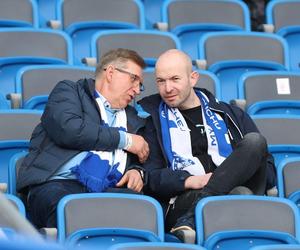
(134, 78)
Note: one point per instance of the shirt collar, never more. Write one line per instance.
(106, 103)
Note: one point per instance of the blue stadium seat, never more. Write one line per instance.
(46, 11)
(149, 44)
(270, 92)
(277, 247)
(106, 218)
(17, 203)
(81, 19)
(225, 222)
(25, 46)
(190, 20)
(281, 132)
(230, 54)
(16, 13)
(155, 246)
(34, 83)
(152, 12)
(284, 16)
(16, 127)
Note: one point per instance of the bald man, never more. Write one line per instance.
(199, 147)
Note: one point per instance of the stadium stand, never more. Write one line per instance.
(283, 18)
(81, 19)
(230, 54)
(243, 222)
(34, 83)
(279, 92)
(202, 17)
(109, 218)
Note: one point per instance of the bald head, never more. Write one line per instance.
(174, 57)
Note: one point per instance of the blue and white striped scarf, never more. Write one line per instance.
(100, 170)
(177, 139)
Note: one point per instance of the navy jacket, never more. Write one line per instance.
(164, 183)
(70, 124)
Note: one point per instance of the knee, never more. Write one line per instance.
(255, 142)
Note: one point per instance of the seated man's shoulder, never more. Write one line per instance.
(151, 100)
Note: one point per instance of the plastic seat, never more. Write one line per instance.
(22, 46)
(46, 11)
(155, 246)
(281, 134)
(270, 92)
(230, 54)
(284, 16)
(225, 222)
(152, 12)
(288, 173)
(13, 169)
(16, 127)
(18, 13)
(81, 19)
(34, 83)
(149, 44)
(189, 20)
(277, 247)
(106, 218)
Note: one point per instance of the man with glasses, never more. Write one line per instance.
(87, 140)
(199, 146)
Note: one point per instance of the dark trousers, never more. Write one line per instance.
(246, 166)
(43, 199)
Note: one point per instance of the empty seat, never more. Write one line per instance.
(266, 92)
(285, 18)
(16, 127)
(230, 54)
(281, 132)
(152, 12)
(81, 19)
(46, 11)
(34, 83)
(149, 44)
(21, 46)
(155, 246)
(189, 20)
(225, 222)
(288, 173)
(18, 13)
(106, 218)
(277, 247)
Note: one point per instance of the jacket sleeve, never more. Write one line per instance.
(249, 126)
(69, 120)
(162, 181)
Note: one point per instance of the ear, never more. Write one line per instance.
(194, 77)
(109, 72)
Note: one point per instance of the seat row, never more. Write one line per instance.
(224, 222)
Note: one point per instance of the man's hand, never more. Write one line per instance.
(139, 147)
(133, 180)
(197, 182)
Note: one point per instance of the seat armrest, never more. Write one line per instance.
(89, 61)
(49, 233)
(268, 28)
(161, 26)
(200, 64)
(54, 24)
(15, 100)
(3, 187)
(241, 103)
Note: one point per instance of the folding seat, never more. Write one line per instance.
(225, 222)
(283, 18)
(281, 132)
(81, 19)
(277, 247)
(230, 54)
(149, 44)
(34, 83)
(155, 246)
(18, 13)
(189, 20)
(109, 218)
(16, 127)
(288, 173)
(22, 46)
(270, 92)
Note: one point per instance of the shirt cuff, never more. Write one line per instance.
(122, 142)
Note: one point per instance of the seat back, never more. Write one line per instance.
(16, 127)
(230, 54)
(109, 211)
(13, 170)
(282, 14)
(270, 92)
(277, 247)
(207, 80)
(16, 13)
(203, 16)
(155, 246)
(231, 217)
(21, 46)
(149, 44)
(35, 83)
